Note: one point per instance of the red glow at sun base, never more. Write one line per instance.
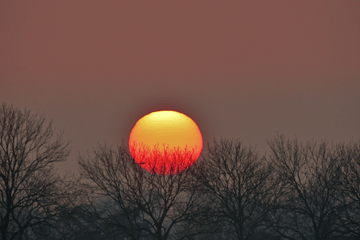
(165, 142)
(163, 160)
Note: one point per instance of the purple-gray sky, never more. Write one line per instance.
(240, 69)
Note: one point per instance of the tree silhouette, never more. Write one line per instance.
(310, 173)
(136, 202)
(30, 190)
(349, 197)
(239, 181)
(298, 191)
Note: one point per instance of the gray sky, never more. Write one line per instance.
(240, 69)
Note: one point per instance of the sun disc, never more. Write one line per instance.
(165, 142)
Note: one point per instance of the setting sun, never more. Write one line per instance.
(165, 142)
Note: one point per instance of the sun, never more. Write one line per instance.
(165, 142)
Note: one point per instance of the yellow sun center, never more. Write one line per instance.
(165, 131)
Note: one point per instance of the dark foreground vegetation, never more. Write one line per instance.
(297, 191)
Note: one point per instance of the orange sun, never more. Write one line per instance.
(165, 142)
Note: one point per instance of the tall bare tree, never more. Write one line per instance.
(29, 187)
(241, 183)
(310, 174)
(135, 202)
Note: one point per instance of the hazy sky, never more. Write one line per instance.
(240, 69)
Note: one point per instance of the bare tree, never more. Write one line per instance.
(137, 202)
(349, 196)
(310, 174)
(29, 188)
(240, 182)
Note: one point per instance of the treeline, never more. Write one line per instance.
(296, 191)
